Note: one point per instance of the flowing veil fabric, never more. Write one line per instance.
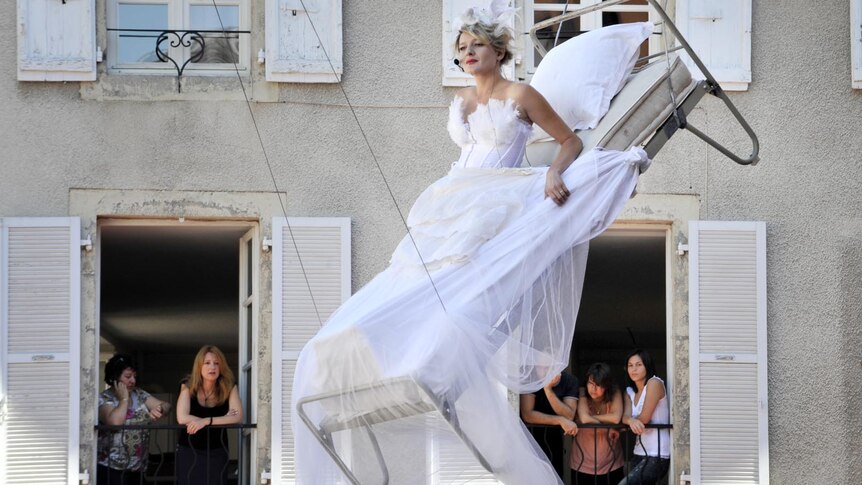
(508, 266)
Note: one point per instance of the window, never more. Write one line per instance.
(540, 10)
(178, 37)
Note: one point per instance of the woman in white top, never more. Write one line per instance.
(646, 403)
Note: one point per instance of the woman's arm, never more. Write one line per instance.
(234, 414)
(616, 411)
(654, 393)
(116, 415)
(156, 407)
(635, 424)
(184, 406)
(538, 110)
(584, 416)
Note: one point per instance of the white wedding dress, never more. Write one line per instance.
(507, 267)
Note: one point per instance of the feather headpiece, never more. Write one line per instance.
(497, 12)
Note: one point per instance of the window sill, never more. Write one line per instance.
(150, 87)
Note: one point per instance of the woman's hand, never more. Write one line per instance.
(636, 426)
(555, 188)
(121, 391)
(196, 425)
(156, 412)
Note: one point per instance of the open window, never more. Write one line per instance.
(540, 10)
(166, 288)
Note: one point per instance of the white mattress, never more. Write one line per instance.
(635, 112)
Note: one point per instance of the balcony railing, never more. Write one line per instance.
(162, 441)
(547, 435)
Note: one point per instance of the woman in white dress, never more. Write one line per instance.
(481, 296)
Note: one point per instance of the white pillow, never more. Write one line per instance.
(580, 76)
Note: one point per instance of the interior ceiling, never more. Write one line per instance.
(168, 288)
(624, 290)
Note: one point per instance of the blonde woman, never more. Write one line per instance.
(208, 397)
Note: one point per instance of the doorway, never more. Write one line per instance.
(168, 287)
(624, 305)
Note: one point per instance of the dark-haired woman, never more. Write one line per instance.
(122, 454)
(208, 397)
(646, 403)
(597, 456)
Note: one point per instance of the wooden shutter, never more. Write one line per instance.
(452, 75)
(727, 331)
(293, 51)
(856, 42)
(56, 40)
(720, 34)
(323, 246)
(40, 292)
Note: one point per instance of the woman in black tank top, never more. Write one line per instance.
(208, 397)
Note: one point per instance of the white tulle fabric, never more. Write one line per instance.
(507, 267)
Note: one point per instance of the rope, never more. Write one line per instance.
(271, 174)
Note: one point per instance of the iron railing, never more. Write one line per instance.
(161, 442)
(547, 435)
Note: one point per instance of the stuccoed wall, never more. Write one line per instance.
(806, 188)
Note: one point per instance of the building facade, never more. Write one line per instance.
(150, 211)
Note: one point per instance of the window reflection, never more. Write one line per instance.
(137, 47)
(220, 48)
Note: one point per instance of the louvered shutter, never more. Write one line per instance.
(323, 246)
(452, 75)
(454, 463)
(40, 282)
(856, 42)
(727, 319)
(56, 40)
(293, 51)
(720, 34)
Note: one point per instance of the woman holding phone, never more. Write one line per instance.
(122, 454)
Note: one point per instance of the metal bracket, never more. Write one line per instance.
(84, 477)
(265, 477)
(266, 246)
(681, 249)
(87, 244)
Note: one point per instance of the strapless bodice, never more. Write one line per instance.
(493, 136)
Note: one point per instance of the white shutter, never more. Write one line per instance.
(452, 75)
(453, 462)
(856, 42)
(719, 31)
(727, 332)
(293, 51)
(56, 40)
(40, 291)
(323, 245)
